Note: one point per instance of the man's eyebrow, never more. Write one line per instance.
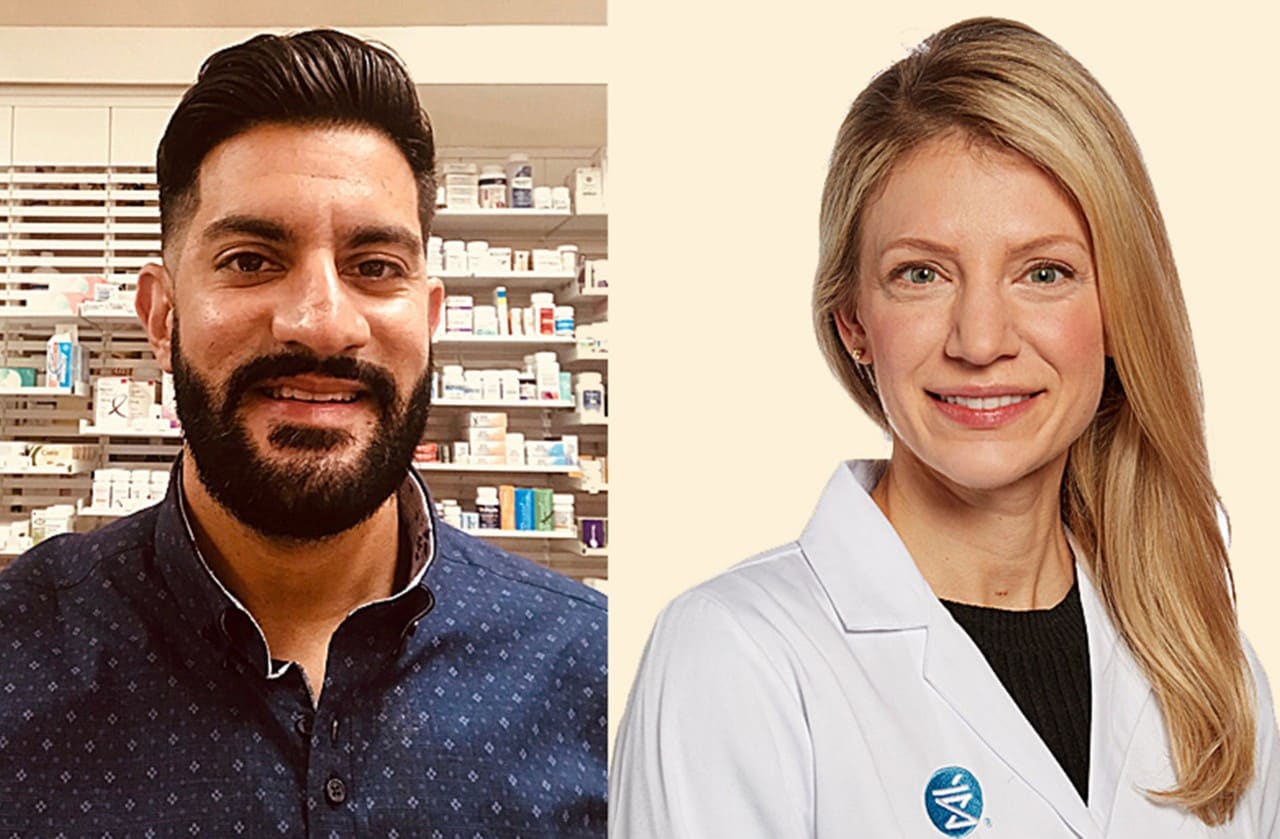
(390, 234)
(244, 225)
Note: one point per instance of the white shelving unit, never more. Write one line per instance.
(77, 391)
(544, 404)
(496, 469)
(493, 533)
(505, 340)
(90, 430)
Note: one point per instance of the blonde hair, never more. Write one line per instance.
(1136, 492)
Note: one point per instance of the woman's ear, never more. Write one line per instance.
(853, 336)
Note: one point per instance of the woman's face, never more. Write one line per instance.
(978, 307)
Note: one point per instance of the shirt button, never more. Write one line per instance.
(335, 791)
(303, 725)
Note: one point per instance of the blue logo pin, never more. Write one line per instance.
(953, 800)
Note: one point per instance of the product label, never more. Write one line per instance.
(522, 191)
(493, 196)
(592, 402)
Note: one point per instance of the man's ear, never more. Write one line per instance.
(853, 336)
(435, 305)
(154, 305)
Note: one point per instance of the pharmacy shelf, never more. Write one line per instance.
(110, 512)
(500, 340)
(16, 314)
(591, 224)
(527, 280)
(577, 421)
(514, 470)
(580, 359)
(89, 429)
(80, 467)
(78, 390)
(528, 222)
(476, 403)
(452, 223)
(114, 318)
(585, 551)
(583, 485)
(573, 297)
(492, 533)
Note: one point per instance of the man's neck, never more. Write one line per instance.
(298, 592)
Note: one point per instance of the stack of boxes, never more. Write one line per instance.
(487, 443)
(123, 404)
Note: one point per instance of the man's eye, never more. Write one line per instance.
(376, 268)
(248, 262)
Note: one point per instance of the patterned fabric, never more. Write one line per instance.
(137, 699)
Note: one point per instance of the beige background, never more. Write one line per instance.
(726, 422)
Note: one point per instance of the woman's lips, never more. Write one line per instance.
(989, 410)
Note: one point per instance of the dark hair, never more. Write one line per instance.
(319, 77)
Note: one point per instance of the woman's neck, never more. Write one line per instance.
(1004, 547)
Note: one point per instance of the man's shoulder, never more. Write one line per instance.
(498, 568)
(69, 560)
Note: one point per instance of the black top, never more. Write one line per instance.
(1042, 659)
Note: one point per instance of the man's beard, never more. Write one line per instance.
(304, 498)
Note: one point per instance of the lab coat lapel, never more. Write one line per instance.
(957, 670)
(874, 585)
(1121, 695)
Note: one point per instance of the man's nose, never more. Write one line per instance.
(319, 310)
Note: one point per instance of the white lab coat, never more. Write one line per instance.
(814, 690)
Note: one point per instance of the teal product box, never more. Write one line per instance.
(566, 386)
(17, 376)
(524, 509)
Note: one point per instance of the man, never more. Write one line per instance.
(290, 644)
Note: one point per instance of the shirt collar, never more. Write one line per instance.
(215, 611)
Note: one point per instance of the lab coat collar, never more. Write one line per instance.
(874, 585)
(869, 577)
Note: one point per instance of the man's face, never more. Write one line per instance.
(299, 329)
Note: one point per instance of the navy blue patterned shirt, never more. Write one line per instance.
(138, 698)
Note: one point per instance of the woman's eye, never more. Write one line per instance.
(920, 275)
(1047, 274)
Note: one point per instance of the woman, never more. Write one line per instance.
(1023, 623)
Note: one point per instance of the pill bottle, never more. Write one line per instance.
(590, 396)
(564, 321)
(569, 259)
(455, 256)
(488, 508)
(562, 510)
(544, 317)
(519, 181)
(493, 187)
(477, 257)
(453, 383)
